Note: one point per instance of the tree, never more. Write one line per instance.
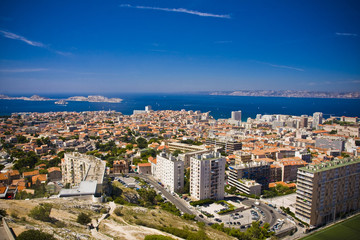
(83, 219)
(141, 142)
(147, 195)
(35, 235)
(41, 212)
(176, 153)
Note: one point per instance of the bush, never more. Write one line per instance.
(118, 212)
(13, 215)
(157, 237)
(83, 219)
(2, 212)
(202, 202)
(189, 216)
(168, 206)
(35, 235)
(41, 212)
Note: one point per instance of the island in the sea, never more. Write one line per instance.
(61, 102)
(289, 93)
(32, 98)
(90, 98)
(94, 98)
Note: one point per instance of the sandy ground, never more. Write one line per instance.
(131, 232)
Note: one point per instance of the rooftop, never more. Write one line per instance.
(325, 166)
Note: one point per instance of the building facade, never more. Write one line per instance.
(246, 186)
(207, 174)
(169, 171)
(77, 167)
(317, 119)
(120, 166)
(228, 145)
(258, 171)
(236, 115)
(328, 190)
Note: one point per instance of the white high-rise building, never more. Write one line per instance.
(317, 119)
(207, 174)
(236, 115)
(148, 108)
(169, 171)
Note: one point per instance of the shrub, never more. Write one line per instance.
(189, 216)
(103, 211)
(2, 212)
(35, 235)
(202, 202)
(118, 212)
(13, 215)
(168, 206)
(83, 219)
(41, 212)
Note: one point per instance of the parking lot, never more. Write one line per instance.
(285, 201)
(128, 181)
(241, 219)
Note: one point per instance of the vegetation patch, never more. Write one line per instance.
(254, 232)
(41, 212)
(278, 190)
(35, 235)
(202, 202)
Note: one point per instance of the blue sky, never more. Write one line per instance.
(174, 46)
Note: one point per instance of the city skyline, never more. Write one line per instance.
(160, 46)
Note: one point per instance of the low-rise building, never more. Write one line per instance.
(120, 166)
(246, 186)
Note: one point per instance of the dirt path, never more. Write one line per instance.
(131, 232)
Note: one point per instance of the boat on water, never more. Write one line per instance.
(61, 102)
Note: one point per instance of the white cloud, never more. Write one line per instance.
(21, 38)
(346, 34)
(181, 10)
(14, 36)
(286, 67)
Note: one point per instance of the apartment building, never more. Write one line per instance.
(185, 157)
(169, 171)
(326, 191)
(207, 174)
(317, 119)
(333, 143)
(77, 167)
(228, 145)
(246, 186)
(258, 171)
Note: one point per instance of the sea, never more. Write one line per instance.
(218, 106)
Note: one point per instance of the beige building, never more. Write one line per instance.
(77, 167)
(246, 186)
(185, 147)
(207, 174)
(328, 190)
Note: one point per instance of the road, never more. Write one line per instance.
(270, 214)
(174, 199)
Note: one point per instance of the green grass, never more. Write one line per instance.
(348, 230)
